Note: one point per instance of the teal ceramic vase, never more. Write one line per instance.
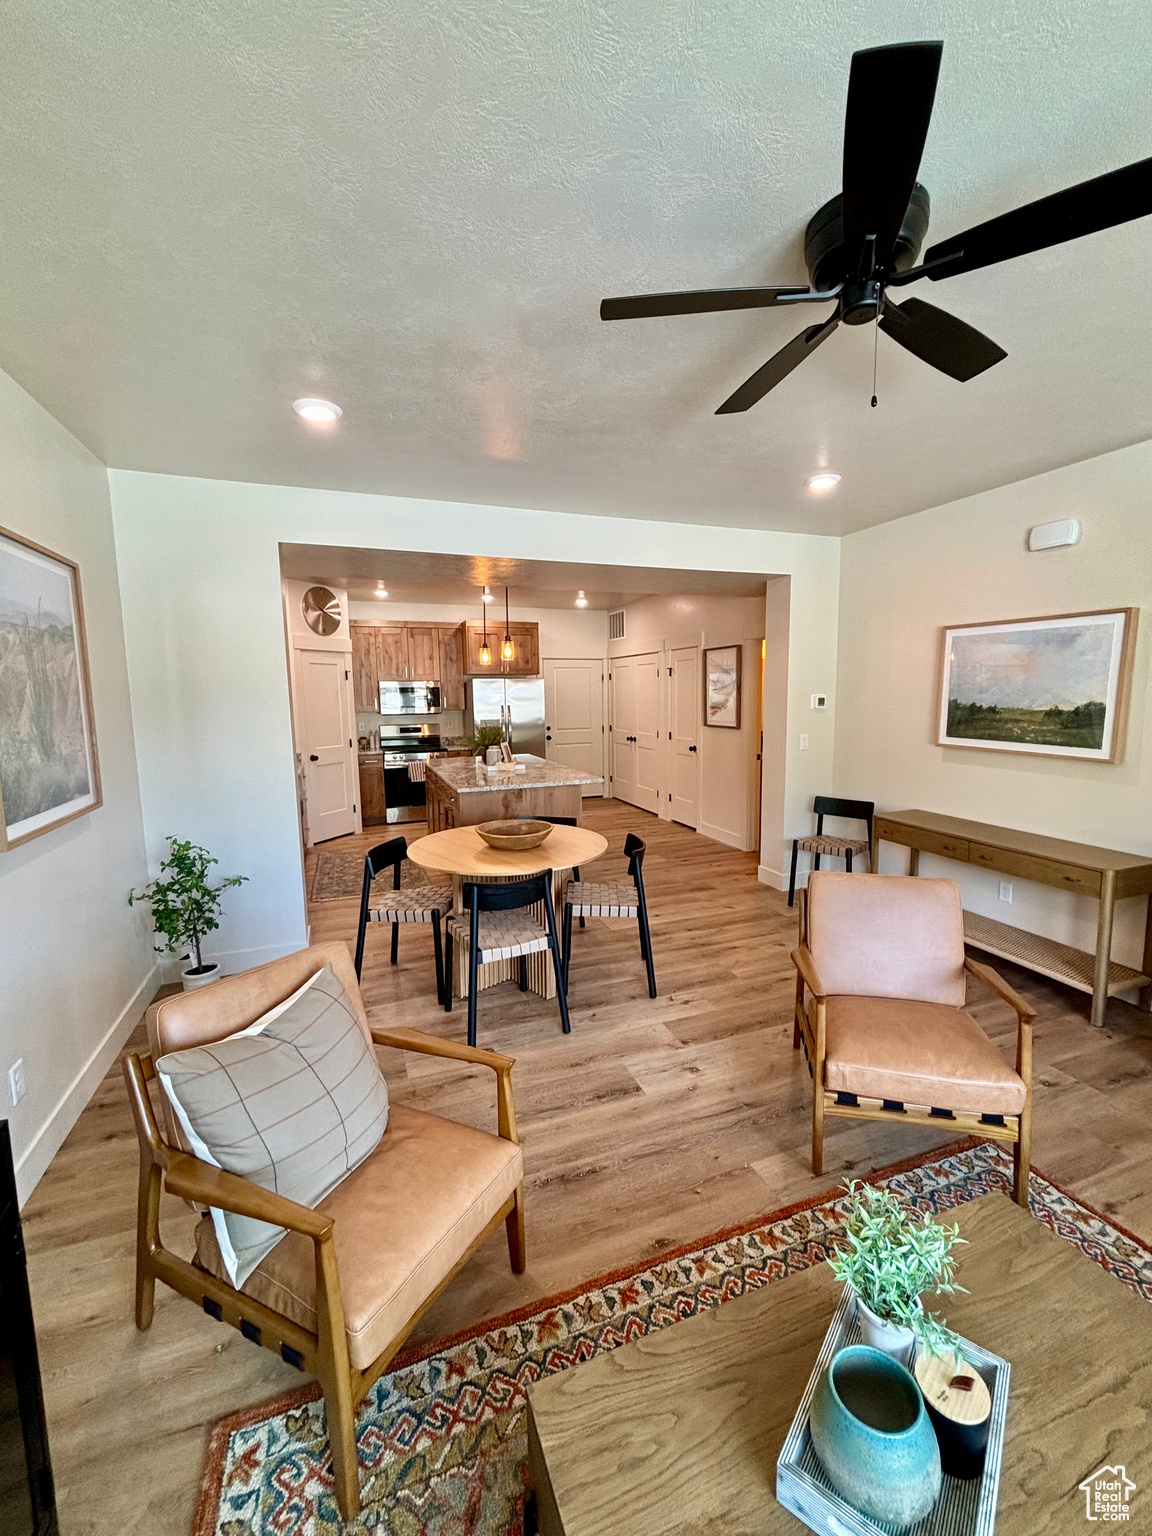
(873, 1436)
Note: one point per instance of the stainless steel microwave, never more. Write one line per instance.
(398, 698)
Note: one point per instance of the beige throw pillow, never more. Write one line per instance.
(293, 1103)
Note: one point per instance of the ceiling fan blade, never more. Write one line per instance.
(1114, 198)
(939, 339)
(702, 302)
(778, 367)
(890, 95)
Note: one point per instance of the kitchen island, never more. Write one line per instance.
(462, 795)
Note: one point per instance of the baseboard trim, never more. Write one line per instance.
(776, 878)
(49, 1138)
(720, 835)
(234, 960)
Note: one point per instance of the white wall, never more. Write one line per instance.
(76, 963)
(727, 771)
(199, 568)
(964, 563)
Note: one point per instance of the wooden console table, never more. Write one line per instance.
(1077, 867)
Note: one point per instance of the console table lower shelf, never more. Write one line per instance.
(1074, 967)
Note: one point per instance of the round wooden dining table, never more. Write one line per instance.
(462, 853)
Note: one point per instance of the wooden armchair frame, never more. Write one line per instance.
(810, 1030)
(325, 1352)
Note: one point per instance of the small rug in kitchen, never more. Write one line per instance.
(442, 1436)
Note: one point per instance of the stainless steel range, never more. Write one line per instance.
(404, 797)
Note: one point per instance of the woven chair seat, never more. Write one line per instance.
(837, 847)
(589, 898)
(503, 935)
(414, 904)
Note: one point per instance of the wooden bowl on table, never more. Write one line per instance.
(514, 835)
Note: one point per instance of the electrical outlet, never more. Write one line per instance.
(803, 743)
(1005, 890)
(17, 1083)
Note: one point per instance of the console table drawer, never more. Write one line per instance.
(941, 843)
(1068, 877)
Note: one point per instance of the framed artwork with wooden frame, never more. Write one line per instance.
(1054, 686)
(49, 768)
(722, 686)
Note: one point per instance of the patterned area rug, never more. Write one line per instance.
(339, 873)
(442, 1436)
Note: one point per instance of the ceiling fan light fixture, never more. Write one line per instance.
(319, 413)
(825, 480)
(581, 600)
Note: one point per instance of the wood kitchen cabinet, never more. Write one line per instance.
(423, 653)
(525, 638)
(372, 806)
(365, 669)
(392, 652)
(452, 666)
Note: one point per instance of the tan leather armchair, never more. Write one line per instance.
(342, 1290)
(880, 995)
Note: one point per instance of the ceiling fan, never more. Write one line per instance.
(865, 241)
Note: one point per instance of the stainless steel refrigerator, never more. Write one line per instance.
(515, 704)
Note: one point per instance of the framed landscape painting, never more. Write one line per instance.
(48, 766)
(722, 686)
(1054, 687)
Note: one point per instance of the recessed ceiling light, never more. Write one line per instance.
(381, 589)
(581, 600)
(321, 413)
(824, 481)
(486, 595)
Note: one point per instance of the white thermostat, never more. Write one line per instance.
(819, 701)
(1054, 535)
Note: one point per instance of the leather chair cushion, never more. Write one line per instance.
(403, 1220)
(188, 1019)
(920, 1053)
(887, 936)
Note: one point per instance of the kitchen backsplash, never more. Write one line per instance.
(449, 723)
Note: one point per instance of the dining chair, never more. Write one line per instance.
(880, 1012)
(557, 821)
(590, 898)
(827, 843)
(414, 904)
(497, 926)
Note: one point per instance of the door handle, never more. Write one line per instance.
(691, 749)
(312, 757)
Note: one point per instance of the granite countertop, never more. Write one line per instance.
(462, 775)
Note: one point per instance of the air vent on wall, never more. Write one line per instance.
(616, 625)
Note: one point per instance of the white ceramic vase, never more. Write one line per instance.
(892, 1339)
(193, 981)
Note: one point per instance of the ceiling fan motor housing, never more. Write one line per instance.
(824, 242)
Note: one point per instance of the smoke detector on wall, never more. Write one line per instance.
(1054, 535)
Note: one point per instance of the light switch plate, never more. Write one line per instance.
(17, 1083)
(803, 743)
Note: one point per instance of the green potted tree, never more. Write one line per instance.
(186, 908)
(892, 1259)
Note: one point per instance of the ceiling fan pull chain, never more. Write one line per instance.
(875, 347)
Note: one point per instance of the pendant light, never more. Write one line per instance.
(507, 650)
(485, 648)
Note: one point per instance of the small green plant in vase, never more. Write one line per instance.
(486, 736)
(186, 907)
(893, 1258)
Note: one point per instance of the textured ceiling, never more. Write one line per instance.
(414, 208)
(413, 576)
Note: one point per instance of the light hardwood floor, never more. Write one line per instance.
(653, 1123)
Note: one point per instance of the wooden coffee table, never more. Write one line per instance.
(679, 1432)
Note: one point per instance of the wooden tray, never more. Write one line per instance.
(963, 1508)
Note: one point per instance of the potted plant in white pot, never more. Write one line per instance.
(892, 1259)
(186, 907)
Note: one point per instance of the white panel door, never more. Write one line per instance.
(574, 717)
(635, 729)
(325, 745)
(684, 712)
